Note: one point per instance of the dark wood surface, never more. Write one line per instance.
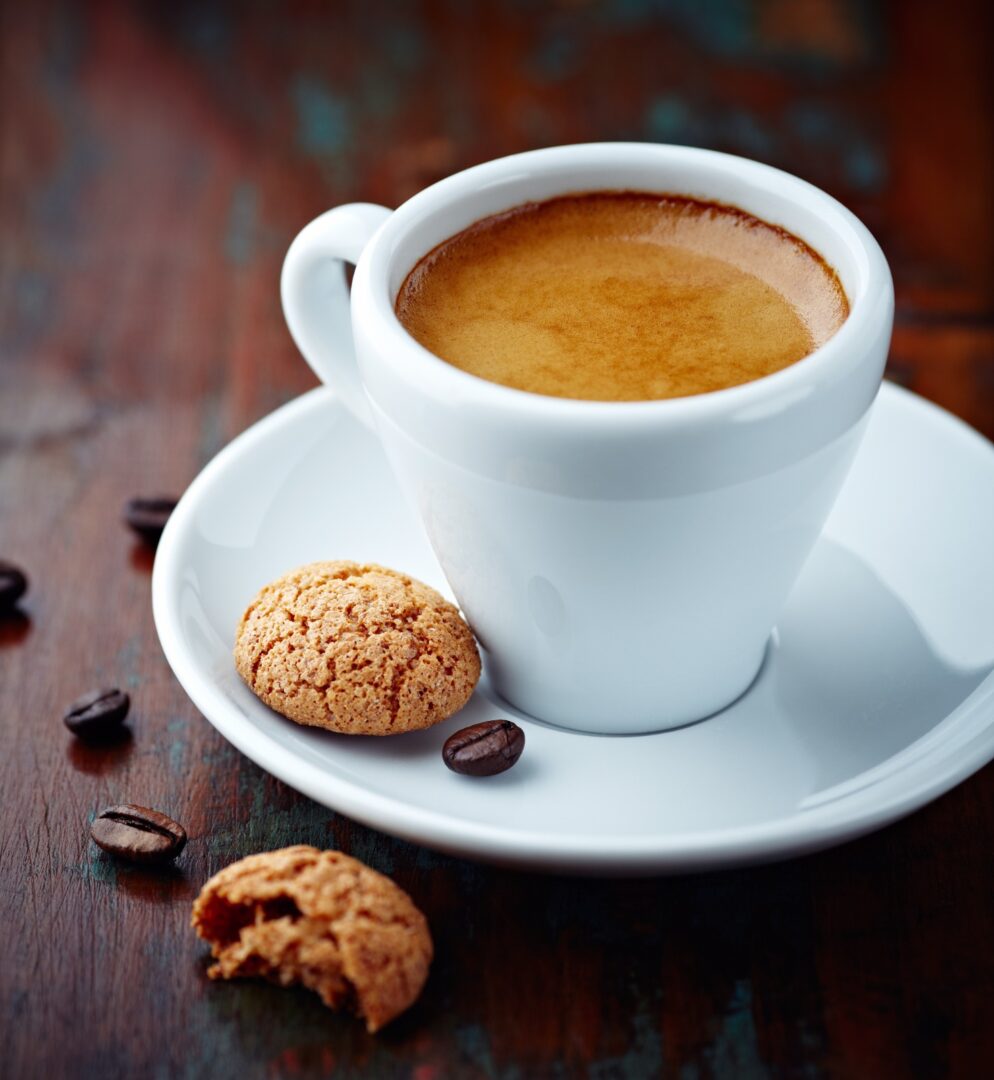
(155, 161)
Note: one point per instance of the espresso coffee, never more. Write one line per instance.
(622, 296)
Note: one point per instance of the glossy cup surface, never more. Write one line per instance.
(635, 552)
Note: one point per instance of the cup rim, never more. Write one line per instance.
(440, 379)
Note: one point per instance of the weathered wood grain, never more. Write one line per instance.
(155, 161)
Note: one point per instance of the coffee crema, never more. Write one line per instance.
(622, 296)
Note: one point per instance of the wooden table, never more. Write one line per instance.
(155, 161)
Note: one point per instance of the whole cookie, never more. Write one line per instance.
(356, 648)
(320, 919)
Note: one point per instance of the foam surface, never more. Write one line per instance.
(622, 297)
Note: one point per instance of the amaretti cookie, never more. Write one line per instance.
(321, 919)
(356, 648)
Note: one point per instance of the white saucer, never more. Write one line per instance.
(877, 694)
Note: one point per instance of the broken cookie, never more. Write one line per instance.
(320, 919)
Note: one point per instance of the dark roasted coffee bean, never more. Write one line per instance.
(97, 714)
(148, 517)
(138, 834)
(484, 749)
(13, 585)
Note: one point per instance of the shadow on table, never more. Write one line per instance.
(155, 884)
(14, 627)
(142, 557)
(99, 757)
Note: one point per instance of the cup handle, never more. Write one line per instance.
(316, 298)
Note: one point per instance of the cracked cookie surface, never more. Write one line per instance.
(320, 919)
(356, 648)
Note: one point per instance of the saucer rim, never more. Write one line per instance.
(855, 813)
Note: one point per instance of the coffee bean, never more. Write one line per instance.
(97, 714)
(148, 517)
(138, 834)
(484, 749)
(13, 585)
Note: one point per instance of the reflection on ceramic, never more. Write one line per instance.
(876, 694)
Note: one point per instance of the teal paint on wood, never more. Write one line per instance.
(836, 133)
(243, 212)
(212, 433)
(176, 755)
(671, 119)
(324, 122)
(735, 30)
(724, 26)
(474, 1043)
(644, 1056)
(866, 168)
(404, 45)
(557, 56)
(99, 867)
(735, 1051)
(207, 29)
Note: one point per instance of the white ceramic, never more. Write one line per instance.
(876, 696)
(594, 545)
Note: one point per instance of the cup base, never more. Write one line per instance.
(617, 718)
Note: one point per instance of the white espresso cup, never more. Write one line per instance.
(621, 563)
